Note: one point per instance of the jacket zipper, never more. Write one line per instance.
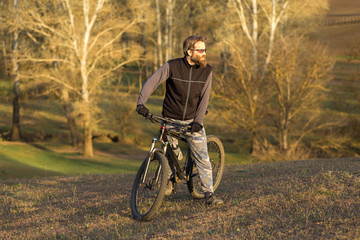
(188, 94)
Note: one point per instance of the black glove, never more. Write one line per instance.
(142, 110)
(195, 127)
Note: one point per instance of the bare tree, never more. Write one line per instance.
(256, 23)
(15, 130)
(299, 85)
(177, 19)
(254, 29)
(84, 39)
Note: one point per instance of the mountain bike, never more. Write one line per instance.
(152, 179)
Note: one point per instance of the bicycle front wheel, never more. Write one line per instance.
(149, 188)
(217, 159)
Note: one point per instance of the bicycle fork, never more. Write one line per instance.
(151, 153)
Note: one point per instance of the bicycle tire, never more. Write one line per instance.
(217, 159)
(146, 198)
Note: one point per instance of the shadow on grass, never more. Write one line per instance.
(11, 168)
(26, 160)
(40, 147)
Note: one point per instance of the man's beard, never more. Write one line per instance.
(199, 61)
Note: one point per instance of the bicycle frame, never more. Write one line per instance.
(180, 175)
(162, 139)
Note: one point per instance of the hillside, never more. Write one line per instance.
(342, 7)
(318, 199)
(342, 37)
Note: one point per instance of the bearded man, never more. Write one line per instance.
(188, 86)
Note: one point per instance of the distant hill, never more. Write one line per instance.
(341, 7)
(345, 36)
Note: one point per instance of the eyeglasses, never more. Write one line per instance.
(199, 50)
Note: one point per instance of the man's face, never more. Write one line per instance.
(198, 54)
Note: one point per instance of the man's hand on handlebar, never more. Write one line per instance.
(142, 110)
(195, 127)
(192, 127)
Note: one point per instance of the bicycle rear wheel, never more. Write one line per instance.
(147, 197)
(217, 159)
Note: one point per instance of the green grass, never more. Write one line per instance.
(233, 158)
(21, 160)
(36, 159)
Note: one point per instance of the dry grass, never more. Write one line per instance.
(317, 199)
(341, 38)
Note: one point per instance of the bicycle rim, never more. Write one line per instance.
(217, 159)
(146, 197)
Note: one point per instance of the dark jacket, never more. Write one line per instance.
(187, 89)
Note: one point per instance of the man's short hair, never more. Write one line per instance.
(189, 43)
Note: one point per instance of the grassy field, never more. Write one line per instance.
(46, 150)
(26, 160)
(315, 199)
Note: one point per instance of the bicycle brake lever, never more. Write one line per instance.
(150, 117)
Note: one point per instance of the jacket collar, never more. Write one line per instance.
(188, 65)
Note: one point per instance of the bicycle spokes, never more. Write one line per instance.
(147, 190)
(214, 155)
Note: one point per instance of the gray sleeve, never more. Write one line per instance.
(205, 96)
(158, 77)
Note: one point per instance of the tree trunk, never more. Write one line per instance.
(88, 145)
(255, 38)
(67, 106)
(252, 142)
(159, 40)
(159, 35)
(169, 30)
(285, 145)
(273, 22)
(15, 132)
(224, 57)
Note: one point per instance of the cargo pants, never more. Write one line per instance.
(197, 143)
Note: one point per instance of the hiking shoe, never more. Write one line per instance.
(210, 199)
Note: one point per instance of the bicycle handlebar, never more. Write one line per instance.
(155, 118)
